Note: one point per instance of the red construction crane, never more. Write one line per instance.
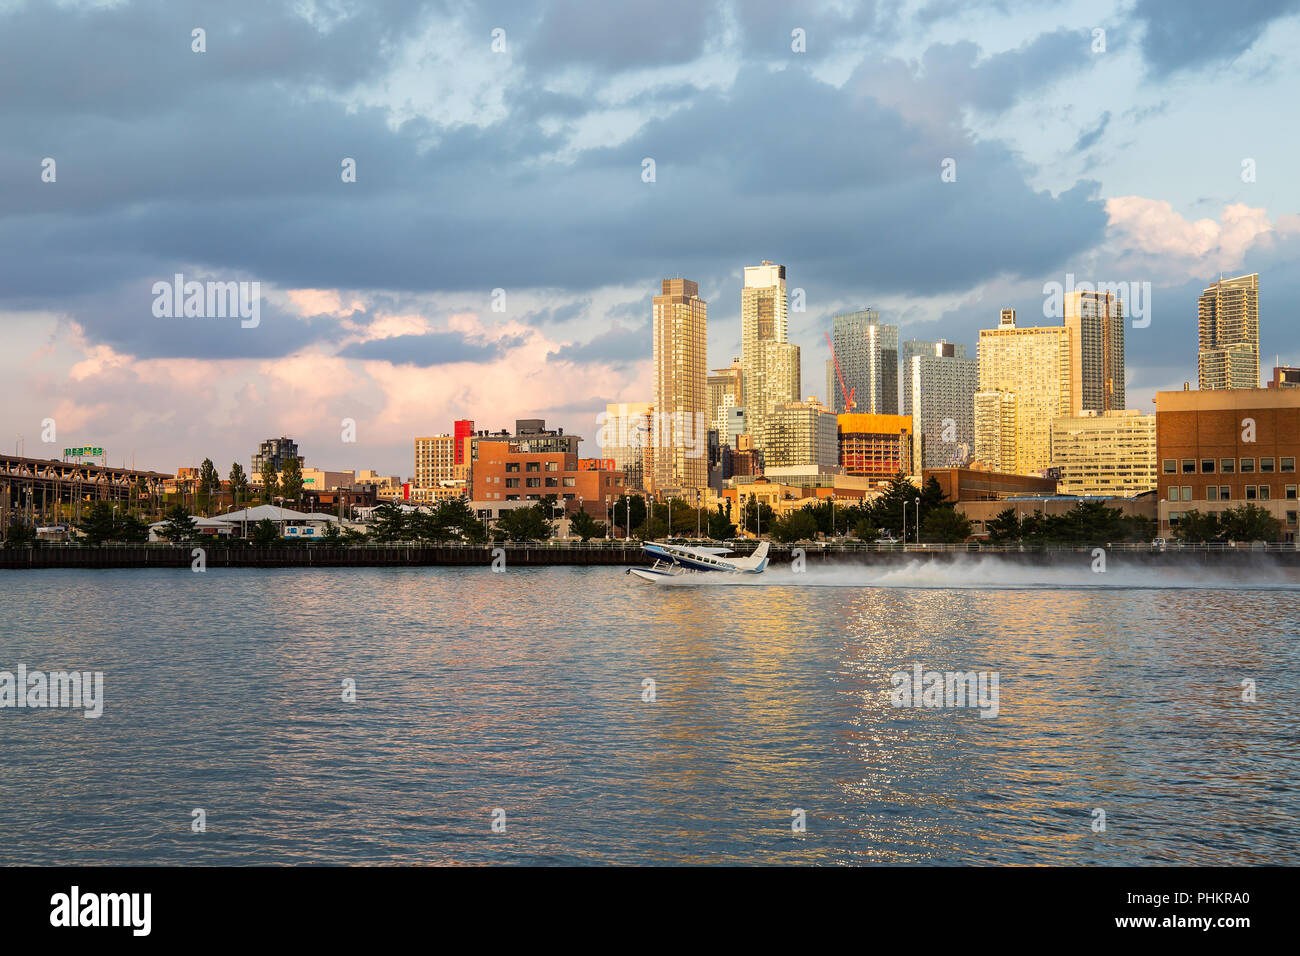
(849, 403)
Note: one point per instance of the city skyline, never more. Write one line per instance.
(401, 328)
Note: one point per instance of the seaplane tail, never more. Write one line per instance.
(675, 561)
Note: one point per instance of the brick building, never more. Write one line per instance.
(1222, 448)
(502, 473)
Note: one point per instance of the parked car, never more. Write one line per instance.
(1159, 544)
(886, 539)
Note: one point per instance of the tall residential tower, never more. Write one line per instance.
(680, 438)
(769, 363)
(1229, 334)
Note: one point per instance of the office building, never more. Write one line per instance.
(1112, 453)
(1096, 324)
(277, 451)
(801, 434)
(1031, 367)
(867, 353)
(764, 319)
(625, 440)
(1222, 448)
(939, 385)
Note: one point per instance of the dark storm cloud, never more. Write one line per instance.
(1185, 34)
(234, 168)
(428, 349)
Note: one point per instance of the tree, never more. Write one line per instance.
(459, 520)
(887, 510)
(19, 534)
(525, 524)
(291, 480)
(1196, 528)
(946, 525)
(180, 526)
(238, 484)
(721, 527)
(585, 526)
(270, 481)
(266, 534)
(389, 523)
(209, 483)
(332, 533)
(99, 524)
(798, 525)
(757, 515)
(1250, 523)
(865, 530)
(636, 505)
(1005, 527)
(131, 529)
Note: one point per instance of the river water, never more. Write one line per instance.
(519, 696)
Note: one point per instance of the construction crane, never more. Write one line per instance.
(849, 403)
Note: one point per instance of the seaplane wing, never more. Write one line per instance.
(675, 560)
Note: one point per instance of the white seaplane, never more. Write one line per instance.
(676, 561)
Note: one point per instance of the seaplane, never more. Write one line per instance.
(674, 562)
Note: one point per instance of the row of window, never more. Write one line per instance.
(1176, 516)
(513, 466)
(1224, 493)
(1226, 466)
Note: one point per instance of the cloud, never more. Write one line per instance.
(429, 349)
(1185, 34)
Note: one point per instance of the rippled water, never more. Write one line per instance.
(522, 691)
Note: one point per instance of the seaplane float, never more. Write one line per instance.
(673, 562)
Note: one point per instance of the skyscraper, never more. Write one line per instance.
(680, 395)
(1229, 334)
(764, 319)
(868, 356)
(939, 385)
(1096, 324)
(726, 391)
(1031, 368)
(625, 438)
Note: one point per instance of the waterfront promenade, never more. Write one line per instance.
(558, 553)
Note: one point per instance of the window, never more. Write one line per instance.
(1227, 465)
(1207, 466)
(570, 482)
(1247, 466)
(1189, 466)
(1265, 492)
(532, 466)
(1187, 493)
(552, 482)
(1290, 493)
(1225, 492)
(1212, 493)
(1288, 464)
(552, 466)
(1266, 465)
(512, 466)
(1251, 492)
(512, 497)
(1290, 517)
(533, 482)
(1170, 466)
(512, 482)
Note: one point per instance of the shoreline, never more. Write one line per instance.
(602, 555)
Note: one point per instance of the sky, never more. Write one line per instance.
(495, 254)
